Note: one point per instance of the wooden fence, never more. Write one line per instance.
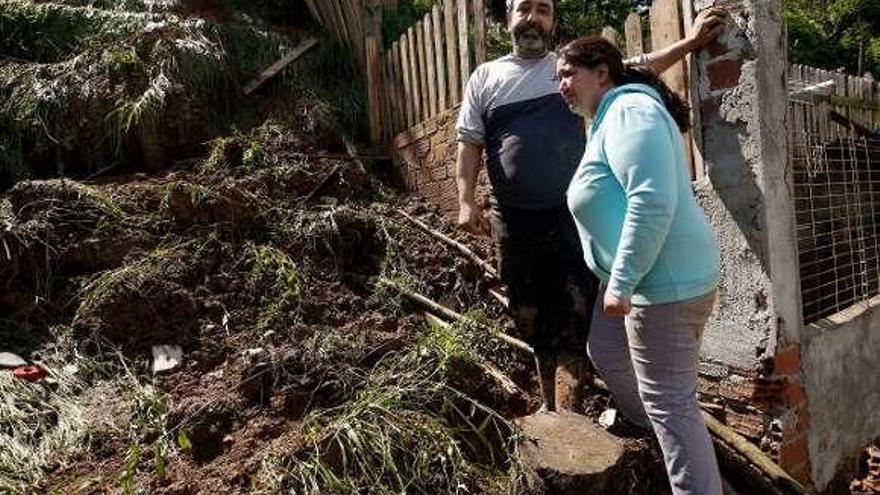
(425, 71)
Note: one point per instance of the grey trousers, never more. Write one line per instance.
(649, 361)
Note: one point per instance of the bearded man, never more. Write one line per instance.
(513, 111)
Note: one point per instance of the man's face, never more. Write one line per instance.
(531, 24)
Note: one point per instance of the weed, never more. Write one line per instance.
(283, 282)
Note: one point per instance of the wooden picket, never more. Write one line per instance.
(431, 63)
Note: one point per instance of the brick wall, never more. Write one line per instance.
(424, 161)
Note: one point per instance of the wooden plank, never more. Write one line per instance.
(415, 80)
(430, 63)
(633, 29)
(479, 32)
(422, 57)
(406, 73)
(610, 34)
(275, 68)
(464, 49)
(439, 58)
(452, 52)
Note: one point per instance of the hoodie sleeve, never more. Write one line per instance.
(640, 151)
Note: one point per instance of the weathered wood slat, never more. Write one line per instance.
(415, 79)
(479, 32)
(279, 65)
(634, 35)
(406, 73)
(464, 51)
(388, 98)
(399, 105)
(439, 57)
(374, 87)
(452, 51)
(611, 34)
(421, 56)
(430, 63)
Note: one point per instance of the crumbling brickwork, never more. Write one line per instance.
(425, 162)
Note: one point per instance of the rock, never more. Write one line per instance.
(10, 360)
(569, 453)
(166, 357)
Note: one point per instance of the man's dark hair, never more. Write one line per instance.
(592, 51)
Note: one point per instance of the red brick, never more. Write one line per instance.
(794, 394)
(788, 361)
(794, 454)
(724, 74)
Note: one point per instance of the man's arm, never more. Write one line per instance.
(707, 26)
(467, 164)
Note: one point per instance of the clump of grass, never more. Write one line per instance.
(41, 427)
(283, 282)
(404, 430)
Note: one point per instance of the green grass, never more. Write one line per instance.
(402, 430)
(40, 427)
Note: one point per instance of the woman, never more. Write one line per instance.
(650, 244)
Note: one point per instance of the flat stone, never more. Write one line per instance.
(166, 357)
(10, 360)
(569, 453)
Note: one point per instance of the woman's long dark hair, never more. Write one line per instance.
(593, 51)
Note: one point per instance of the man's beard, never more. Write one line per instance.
(530, 40)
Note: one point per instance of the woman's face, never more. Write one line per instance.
(582, 88)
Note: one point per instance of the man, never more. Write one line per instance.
(512, 110)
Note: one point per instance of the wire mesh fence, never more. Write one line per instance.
(835, 161)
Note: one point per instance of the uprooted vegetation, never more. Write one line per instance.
(299, 373)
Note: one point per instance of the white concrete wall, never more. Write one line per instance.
(840, 358)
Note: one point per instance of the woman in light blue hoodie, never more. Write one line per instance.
(649, 242)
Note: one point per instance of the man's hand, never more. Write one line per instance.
(616, 306)
(471, 219)
(707, 26)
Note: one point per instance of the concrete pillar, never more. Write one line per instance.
(748, 194)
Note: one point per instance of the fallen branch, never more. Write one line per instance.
(488, 270)
(275, 68)
(742, 458)
(770, 476)
(322, 183)
(448, 314)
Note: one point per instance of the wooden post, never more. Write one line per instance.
(692, 77)
(452, 51)
(634, 46)
(430, 63)
(464, 51)
(666, 28)
(479, 32)
(439, 58)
